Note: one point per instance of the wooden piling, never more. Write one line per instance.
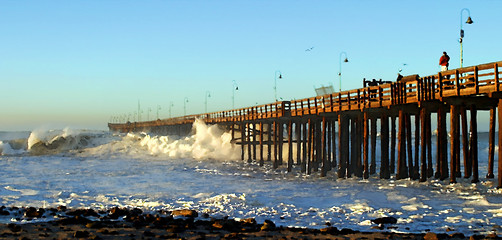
(261, 143)
(384, 164)
(366, 172)
(324, 154)
(401, 151)
(290, 145)
(454, 142)
(373, 145)
(499, 177)
(343, 144)
(465, 143)
(474, 144)
(393, 145)
(423, 147)
(491, 143)
(409, 146)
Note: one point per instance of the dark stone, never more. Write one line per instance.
(81, 234)
(347, 231)
(185, 213)
(330, 230)
(14, 227)
(268, 226)
(148, 234)
(32, 212)
(385, 220)
(74, 220)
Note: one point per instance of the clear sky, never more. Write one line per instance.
(78, 63)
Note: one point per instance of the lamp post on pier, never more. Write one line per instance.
(208, 94)
(275, 83)
(234, 88)
(158, 109)
(340, 72)
(185, 106)
(469, 21)
(171, 105)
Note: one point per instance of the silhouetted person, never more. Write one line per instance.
(443, 61)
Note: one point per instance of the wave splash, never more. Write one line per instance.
(208, 142)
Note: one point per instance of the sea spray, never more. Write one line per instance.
(208, 142)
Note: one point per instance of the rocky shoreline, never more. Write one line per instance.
(123, 223)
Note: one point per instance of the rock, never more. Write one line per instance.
(32, 212)
(430, 236)
(248, 221)
(385, 220)
(185, 213)
(267, 226)
(330, 230)
(457, 235)
(14, 227)
(81, 234)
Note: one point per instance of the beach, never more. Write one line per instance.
(121, 223)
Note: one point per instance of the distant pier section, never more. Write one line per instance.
(338, 132)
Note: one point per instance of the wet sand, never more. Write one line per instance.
(121, 223)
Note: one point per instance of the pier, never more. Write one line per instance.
(338, 132)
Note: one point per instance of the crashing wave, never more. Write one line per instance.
(43, 142)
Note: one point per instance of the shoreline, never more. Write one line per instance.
(120, 223)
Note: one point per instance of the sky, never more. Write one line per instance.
(84, 63)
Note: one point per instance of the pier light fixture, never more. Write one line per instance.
(340, 72)
(235, 87)
(171, 105)
(469, 21)
(185, 106)
(275, 83)
(158, 109)
(208, 95)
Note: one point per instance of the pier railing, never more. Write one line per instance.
(467, 81)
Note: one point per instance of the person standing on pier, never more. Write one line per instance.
(443, 61)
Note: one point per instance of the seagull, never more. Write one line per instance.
(309, 49)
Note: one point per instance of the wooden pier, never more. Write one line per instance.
(334, 132)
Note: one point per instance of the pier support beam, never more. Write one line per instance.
(500, 146)
(401, 151)
(384, 164)
(474, 144)
(454, 143)
(491, 148)
(343, 145)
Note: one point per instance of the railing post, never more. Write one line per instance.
(476, 79)
(457, 82)
(331, 102)
(440, 82)
(496, 72)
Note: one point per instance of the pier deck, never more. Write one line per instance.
(334, 131)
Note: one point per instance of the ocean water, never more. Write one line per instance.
(100, 169)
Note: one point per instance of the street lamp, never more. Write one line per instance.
(171, 105)
(185, 106)
(234, 88)
(208, 94)
(158, 109)
(275, 83)
(340, 72)
(469, 21)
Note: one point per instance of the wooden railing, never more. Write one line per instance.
(467, 81)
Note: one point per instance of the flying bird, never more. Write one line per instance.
(309, 49)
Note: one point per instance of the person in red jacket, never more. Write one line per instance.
(443, 61)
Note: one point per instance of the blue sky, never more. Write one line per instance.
(77, 63)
